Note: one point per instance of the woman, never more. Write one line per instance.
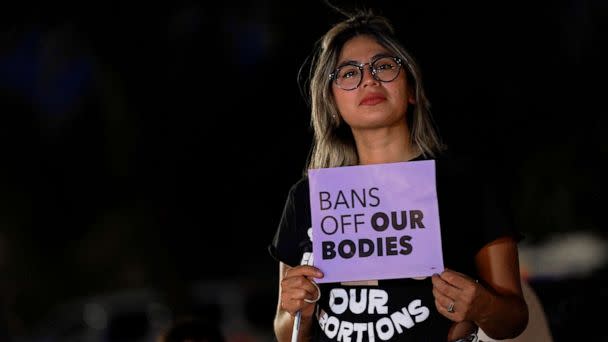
(368, 106)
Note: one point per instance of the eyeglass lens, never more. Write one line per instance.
(384, 69)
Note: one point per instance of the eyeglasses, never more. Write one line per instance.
(383, 69)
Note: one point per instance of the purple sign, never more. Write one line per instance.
(378, 221)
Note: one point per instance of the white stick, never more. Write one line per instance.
(306, 260)
(296, 327)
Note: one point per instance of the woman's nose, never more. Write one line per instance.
(368, 76)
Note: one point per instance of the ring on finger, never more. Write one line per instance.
(318, 295)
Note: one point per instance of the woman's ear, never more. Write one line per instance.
(411, 99)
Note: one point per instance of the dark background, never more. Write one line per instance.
(152, 146)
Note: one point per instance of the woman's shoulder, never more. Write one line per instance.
(299, 190)
(300, 185)
(461, 165)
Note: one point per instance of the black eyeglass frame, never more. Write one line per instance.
(361, 67)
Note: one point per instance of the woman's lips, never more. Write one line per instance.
(372, 100)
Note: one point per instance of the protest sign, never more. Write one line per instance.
(372, 222)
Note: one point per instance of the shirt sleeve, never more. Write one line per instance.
(474, 210)
(291, 237)
(497, 217)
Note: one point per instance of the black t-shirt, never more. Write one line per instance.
(399, 309)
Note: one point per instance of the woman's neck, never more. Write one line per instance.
(387, 145)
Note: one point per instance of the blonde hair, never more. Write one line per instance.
(333, 144)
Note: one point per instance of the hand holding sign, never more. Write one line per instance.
(297, 286)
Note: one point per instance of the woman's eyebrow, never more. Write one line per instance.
(347, 62)
(352, 61)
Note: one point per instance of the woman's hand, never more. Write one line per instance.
(298, 291)
(458, 297)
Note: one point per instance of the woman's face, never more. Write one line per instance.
(373, 104)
